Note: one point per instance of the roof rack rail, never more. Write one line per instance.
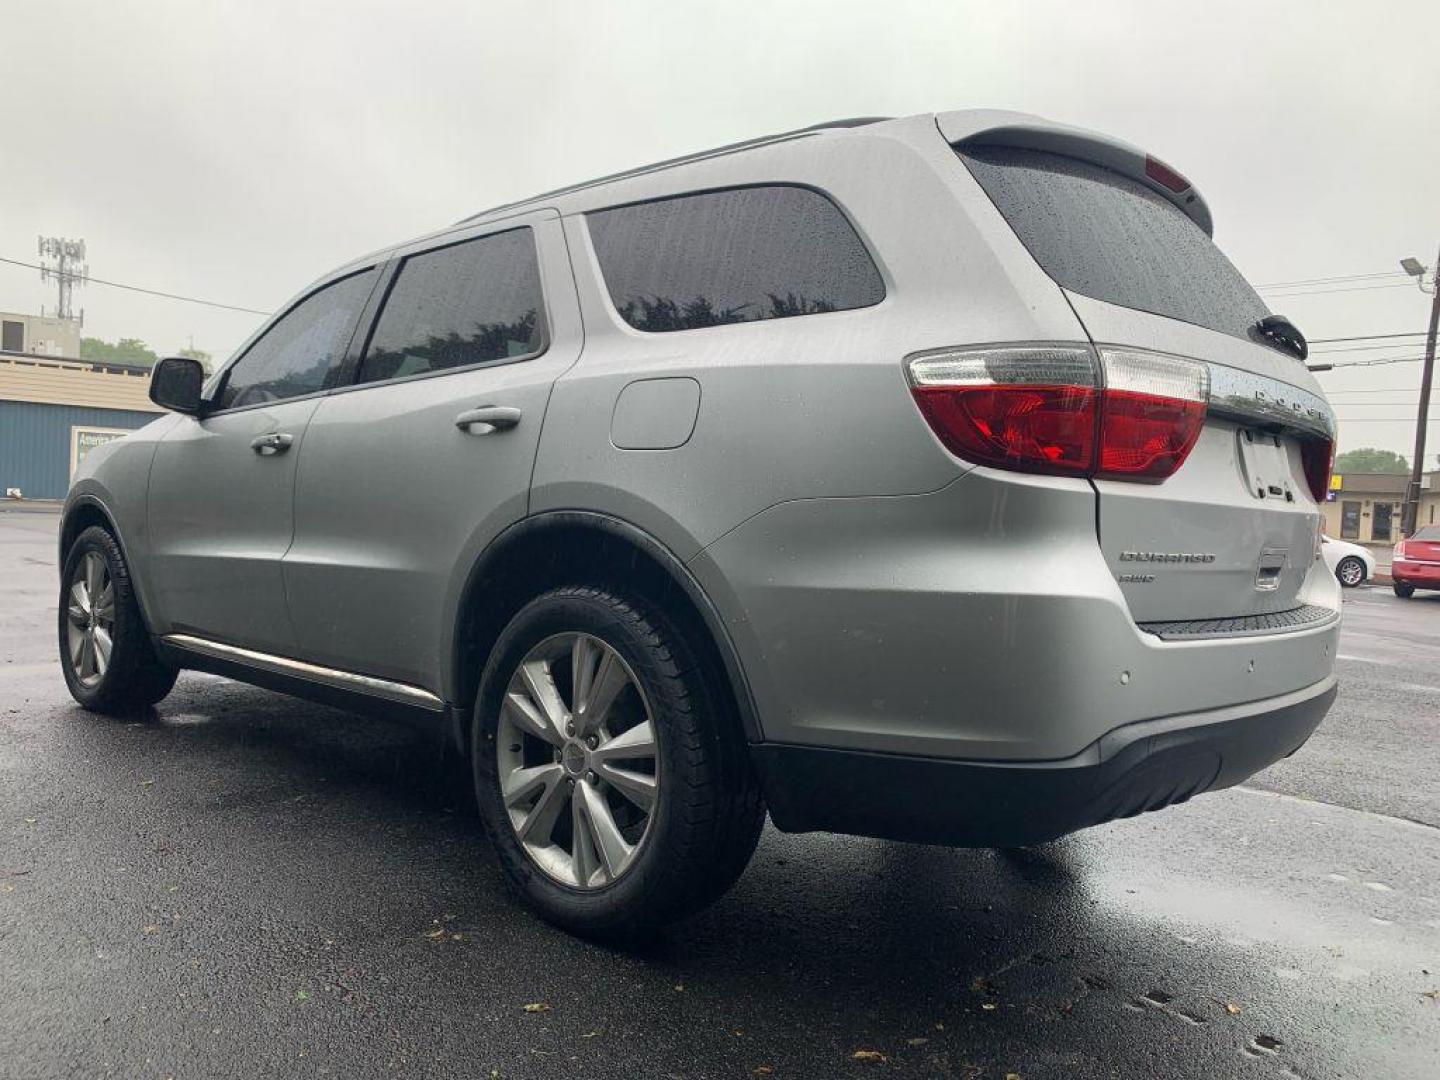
(730, 148)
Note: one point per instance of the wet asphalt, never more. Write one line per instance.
(248, 886)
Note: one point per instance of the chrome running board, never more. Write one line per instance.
(403, 693)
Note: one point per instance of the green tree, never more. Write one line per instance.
(1368, 459)
(131, 351)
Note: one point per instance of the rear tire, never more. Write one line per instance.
(109, 663)
(1350, 571)
(699, 815)
(1404, 591)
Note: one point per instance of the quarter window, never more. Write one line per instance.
(732, 256)
(298, 353)
(475, 302)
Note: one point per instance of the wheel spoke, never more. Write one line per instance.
(102, 646)
(522, 783)
(85, 667)
(610, 679)
(635, 742)
(639, 788)
(584, 654)
(94, 571)
(80, 601)
(105, 603)
(522, 712)
(77, 646)
(583, 857)
(541, 684)
(614, 850)
(539, 825)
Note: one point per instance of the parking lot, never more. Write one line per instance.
(244, 885)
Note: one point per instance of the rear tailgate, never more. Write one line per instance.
(1232, 532)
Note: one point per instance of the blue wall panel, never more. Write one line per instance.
(35, 443)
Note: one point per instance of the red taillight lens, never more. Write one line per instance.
(1015, 427)
(1316, 456)
(1167, 177)
(1047, 409)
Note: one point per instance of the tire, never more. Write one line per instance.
(705, 811)
(1404, 591)
(1350, 571)
(132, 677)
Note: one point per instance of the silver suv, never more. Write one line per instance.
(934, 479)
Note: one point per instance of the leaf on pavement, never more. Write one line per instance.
(537, 1007)
(1232, 1008)
(869, 1055)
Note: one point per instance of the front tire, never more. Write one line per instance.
(616, 791)
(109, 663)
(1350, 571)
(1404, 591)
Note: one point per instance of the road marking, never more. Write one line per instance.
(1364, 659)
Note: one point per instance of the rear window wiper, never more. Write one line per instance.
(1280, 333)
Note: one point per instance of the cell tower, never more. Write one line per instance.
(68, 270)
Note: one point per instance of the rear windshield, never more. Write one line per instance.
(1429, 532)
(1107, 236)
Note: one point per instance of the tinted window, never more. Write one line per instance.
(470, 303)
(732, 256)
(1110, 237)
(298, 353)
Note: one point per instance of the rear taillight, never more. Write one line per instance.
(1399, 550)
(1126, 414)
(1316, 456)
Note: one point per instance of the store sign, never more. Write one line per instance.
(85, 439)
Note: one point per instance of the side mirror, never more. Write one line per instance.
(175, 385)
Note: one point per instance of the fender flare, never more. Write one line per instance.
(528, 527)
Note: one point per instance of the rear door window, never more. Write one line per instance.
(1109, 237)
(732, 256)
(475, 302)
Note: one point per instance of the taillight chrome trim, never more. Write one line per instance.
(1261, 401)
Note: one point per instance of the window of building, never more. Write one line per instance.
(1380, 521)
(475, 302)
(298, 354)
(1349, 520)
(732, 256)
(12, 336)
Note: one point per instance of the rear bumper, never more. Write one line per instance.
(1423, 575)
(1137, 767)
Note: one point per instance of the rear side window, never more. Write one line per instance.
(732, 256)
(1107, 236)
(476, 302)
(302, 351)
(1429, 532)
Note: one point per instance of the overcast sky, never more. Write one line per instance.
(235, 150)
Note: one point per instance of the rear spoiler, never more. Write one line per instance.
(984, 127)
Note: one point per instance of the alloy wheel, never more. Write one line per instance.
(1351, 572)
(90, 619)
(577, 758)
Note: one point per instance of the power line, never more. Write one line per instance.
(1330, 280)
(1365, 337)
(1340, 289)
(149, 292)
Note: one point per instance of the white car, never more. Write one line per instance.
(1350, 563)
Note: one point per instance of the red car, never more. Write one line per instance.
(1417, 562)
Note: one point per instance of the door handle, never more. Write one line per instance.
(277, 442)
(488, 419)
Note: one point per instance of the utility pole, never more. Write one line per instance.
(1410, 515)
